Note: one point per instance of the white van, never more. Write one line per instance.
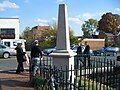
(12, 43)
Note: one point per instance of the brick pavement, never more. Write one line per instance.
(11, 81)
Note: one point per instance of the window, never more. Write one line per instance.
(14, 43)
(1, 46)
(7, 44)
(7, 33)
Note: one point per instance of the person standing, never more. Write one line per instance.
(87, 49)
(79, 49)
(36, 56)
(87, 53)
(20, 60)
(79, 55)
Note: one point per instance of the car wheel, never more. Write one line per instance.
(6, 55)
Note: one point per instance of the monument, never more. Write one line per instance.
(63, 56)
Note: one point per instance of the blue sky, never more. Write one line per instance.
(45, 12)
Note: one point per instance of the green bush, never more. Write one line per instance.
(39, 82)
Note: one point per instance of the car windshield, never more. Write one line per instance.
(2, 46)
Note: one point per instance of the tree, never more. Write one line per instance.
(109, 23)
(47, 38)
(27, 35)
(89, 27)
(118, 20)
(73, 39)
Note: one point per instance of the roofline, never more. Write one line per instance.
(9, 18)
(87, 39)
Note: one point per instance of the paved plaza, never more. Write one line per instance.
(11, 81)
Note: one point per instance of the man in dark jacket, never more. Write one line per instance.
(79, 49)
(87, 53)
(36, 55)
(20, 55)
(79, 56)
(87, 49)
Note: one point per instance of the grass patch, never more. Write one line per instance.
(89, 84)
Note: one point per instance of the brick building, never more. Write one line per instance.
(109, 38)
(118, 39)
(37, 31)
(94, 43)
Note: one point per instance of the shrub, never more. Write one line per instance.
(39, 82)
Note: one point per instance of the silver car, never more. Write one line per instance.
(47, 51)
(6, 52)
(110, 50)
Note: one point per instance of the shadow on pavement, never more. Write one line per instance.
(10, 79)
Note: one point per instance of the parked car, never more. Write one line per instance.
(6, 51)
(47, 51)
(107, 50)
(12, 43)
(74, 48)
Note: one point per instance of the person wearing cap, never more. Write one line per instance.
(19, 56)
(36, 56)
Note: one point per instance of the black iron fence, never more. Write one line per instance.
(90, 73)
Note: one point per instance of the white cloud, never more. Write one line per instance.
(60, 1)
(1, 9)
(26, 1)
(42, 22)
(54, 19)
(7, 4)
(76, 20)
(87, 16)
(117, 9)
(15, 16)
(100, 13)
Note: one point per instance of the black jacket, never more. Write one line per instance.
(87, 50)
(35, 51)
(20, 54)
(79, 50)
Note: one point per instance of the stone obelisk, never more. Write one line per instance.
(63, 56)
(63, 41)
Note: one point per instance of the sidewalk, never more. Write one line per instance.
(11, 81)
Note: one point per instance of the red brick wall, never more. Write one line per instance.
(94, 43)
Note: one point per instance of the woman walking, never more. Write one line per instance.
(20, 59)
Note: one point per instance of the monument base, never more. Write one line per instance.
(64, 53)
(64, 59)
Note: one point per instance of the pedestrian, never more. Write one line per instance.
(79, 49)
(79, 56)
(87, 53)
(20, 60)
(36, 56)
(87, 48)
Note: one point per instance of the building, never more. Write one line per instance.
(118, 39)
(9, 28)
(110, 38)
(37, 31)
(94, 43)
